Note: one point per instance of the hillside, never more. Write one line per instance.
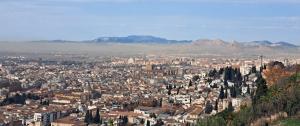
(276, 104)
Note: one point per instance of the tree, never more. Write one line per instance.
(248, 89)
(232, 92)
(97, 117)
(45, 102)
(221, 71)
(239, 76)
(148, 123)
(262, 87)
(159, 122)
(86, 117)
(216, 105)
(225, 83)
(190, 83)
(221, 95)
(90, 117)
(169, 88)
(276, 73)
(226, 93)
(208, 107)
(212, 73)
(152, 115)
(110, 122)
(18, 99)
(253, 69)
(125, 120)
(160, 102)
(169, 91)
(196, 77)
(230, 107)
(283, 96)
(142, 121)
(229, 74)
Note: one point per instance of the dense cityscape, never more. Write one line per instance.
(148, 90)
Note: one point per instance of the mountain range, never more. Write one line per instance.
(267, 44)
(142, 45)
(146, 39)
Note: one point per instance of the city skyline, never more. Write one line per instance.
(274, 20)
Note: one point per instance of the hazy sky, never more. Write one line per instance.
(242, 20)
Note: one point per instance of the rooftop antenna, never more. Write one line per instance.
(261, 60)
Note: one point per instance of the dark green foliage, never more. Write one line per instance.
(284, 96)
(248, 89)
(229, 73)
(261, 90)
(190, 83)
(96, 95)
(208, 107)
(226, 83)
(238, 90)
(253, 70)
(195, 78)
(230, 107)
(148, 123)
(216, 105)
(86, 117)
(97, 117)
(45, 102)
(212, 121)
(187, 124)
(221, 71)
(169, 88)
(124, 120)
(232, 75)
(160, 102)
(159, 122)
(213, 73)
(152, 115)
(169, 92)
(232, 92)
(18, 99)
(226, 93)
(90, 117)
(142, 121)
(243, 117)
(222, 95)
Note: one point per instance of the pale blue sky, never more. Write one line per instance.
(242, 20)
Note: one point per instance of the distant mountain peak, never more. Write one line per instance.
(271, 44)
(263, 41)
(286, 44)
(216, 42)
(137, 39)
